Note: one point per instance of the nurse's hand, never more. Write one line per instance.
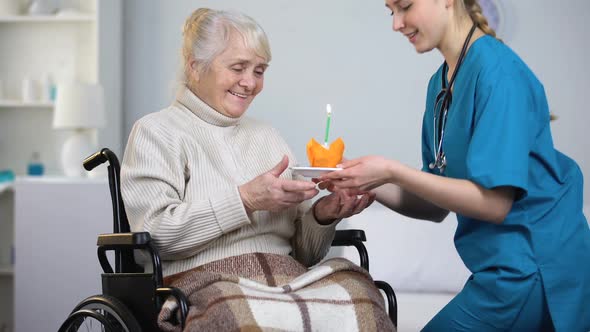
(363, 174)
(271, 193)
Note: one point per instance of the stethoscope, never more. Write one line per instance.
(444, 99)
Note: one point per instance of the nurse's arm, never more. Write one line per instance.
(408, 204)
(463, 197)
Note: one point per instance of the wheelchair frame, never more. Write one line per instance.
(137, 310)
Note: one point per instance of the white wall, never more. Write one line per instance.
(110, 55)
(345, 53)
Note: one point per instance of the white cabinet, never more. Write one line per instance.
(57, 221)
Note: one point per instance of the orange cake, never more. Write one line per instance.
(320, 156)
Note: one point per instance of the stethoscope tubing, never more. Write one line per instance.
(445, 97)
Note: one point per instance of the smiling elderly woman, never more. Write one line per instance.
(213, 187)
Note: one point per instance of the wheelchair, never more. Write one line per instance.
(132, 298)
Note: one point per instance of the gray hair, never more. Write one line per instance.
(206, 34)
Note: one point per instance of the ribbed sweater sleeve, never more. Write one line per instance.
(312, 240)
(154, 188)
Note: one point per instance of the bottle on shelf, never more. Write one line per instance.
(35, 167)
(47, 88)
(28, 90)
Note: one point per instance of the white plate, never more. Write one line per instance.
(313, 172)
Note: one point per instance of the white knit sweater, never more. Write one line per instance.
(179, 180)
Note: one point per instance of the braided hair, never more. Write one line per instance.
(475, 12)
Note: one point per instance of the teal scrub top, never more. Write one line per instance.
(498, 134)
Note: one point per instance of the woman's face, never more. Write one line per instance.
(423, 22)
(233, 79)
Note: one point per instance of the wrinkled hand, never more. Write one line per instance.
(364, 174)
(270, 193)
(341, 204)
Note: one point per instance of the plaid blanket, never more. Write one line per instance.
(265, 292)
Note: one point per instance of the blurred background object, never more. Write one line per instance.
(41, 7)
(79, 108)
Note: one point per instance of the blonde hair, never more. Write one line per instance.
(206, 34)
(475, 12)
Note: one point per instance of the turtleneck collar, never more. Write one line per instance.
(205, 112)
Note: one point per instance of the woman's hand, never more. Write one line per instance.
(363, 173)
(341, 204)
(270, 193)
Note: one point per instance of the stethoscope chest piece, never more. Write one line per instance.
(440, 163)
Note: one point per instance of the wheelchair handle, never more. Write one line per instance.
(101, 157)
(94, 160)
(120, 222)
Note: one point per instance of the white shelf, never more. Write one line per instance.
(57, 179)
(6, 103)
(6, 271)
(70, 18)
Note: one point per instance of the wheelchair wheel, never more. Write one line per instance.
(101, 313)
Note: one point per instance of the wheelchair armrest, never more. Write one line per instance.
(348, 237)
(391, 299)
(123, 240)
(353, 237)
(120, 242)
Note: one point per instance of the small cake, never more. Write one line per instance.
(321, 156)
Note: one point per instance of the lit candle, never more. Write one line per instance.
(329, 113)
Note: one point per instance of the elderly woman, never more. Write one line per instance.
(214, 189)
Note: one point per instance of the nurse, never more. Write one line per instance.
(488, 156)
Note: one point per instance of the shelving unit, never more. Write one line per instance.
(84, 45)
(63, 48)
